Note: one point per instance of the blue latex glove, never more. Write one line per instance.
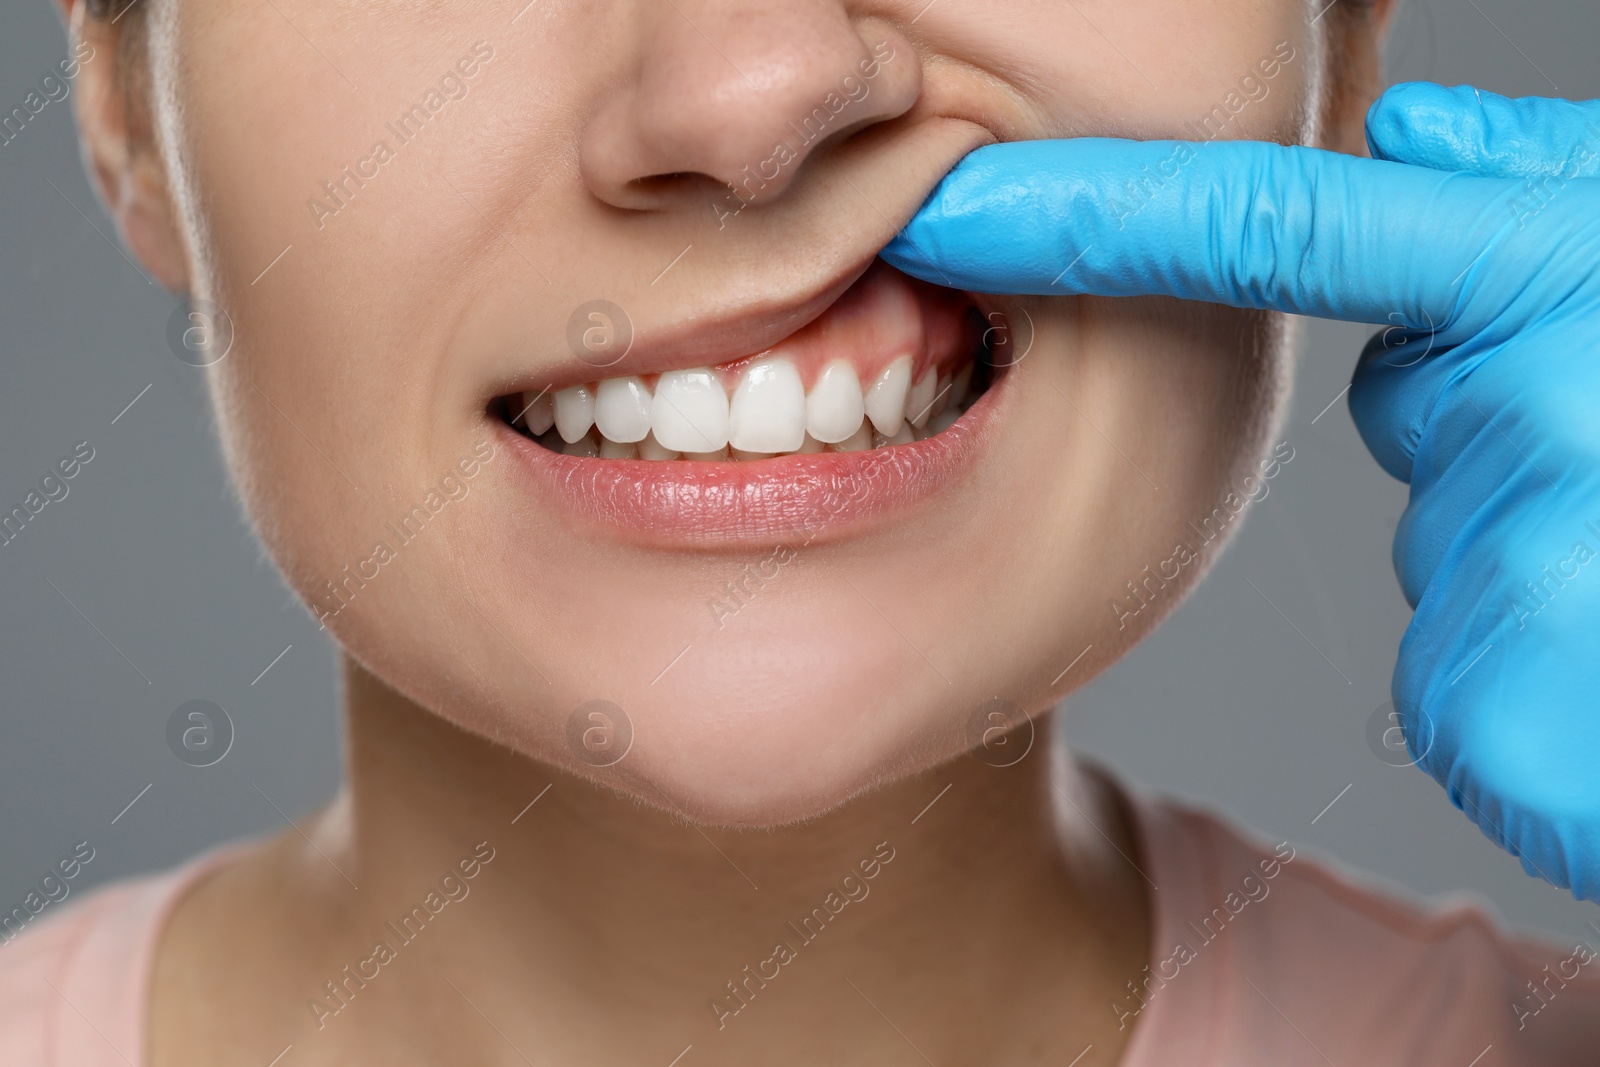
(1475, 234)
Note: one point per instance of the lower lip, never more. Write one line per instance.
(797, 498)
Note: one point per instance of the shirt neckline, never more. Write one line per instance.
(116, 949)
(1184, 1014)
(124, 941)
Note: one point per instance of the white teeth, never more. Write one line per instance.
(690, 412)
(574, 412)
(649, 448)
(886, 398)
(538, 411)
(768, 411)
(835, 407)
(859, 441)
(919, 402)
(622, 408)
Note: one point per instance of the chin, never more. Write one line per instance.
(764, 730)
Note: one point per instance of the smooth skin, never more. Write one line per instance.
(808, 730)
(1475, 234)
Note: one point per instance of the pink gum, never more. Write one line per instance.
(884, 315)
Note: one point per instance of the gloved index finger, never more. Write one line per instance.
(1242, 223)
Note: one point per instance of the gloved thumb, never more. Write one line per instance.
(1466, 129)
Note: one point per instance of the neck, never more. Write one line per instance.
(966, 877)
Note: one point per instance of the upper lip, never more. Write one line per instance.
(697, 339)
(750, 327)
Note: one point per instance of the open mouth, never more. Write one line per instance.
(873, 407)
(893, 361)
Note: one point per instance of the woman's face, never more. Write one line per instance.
(408, 210)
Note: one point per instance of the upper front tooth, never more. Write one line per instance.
(622, 409)
(538, 411)
(835, 408)
(919, 402)
(886, 398)
(768, 412)
(690, 411)
(574, 412)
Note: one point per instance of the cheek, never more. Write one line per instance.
(1155, 69)
(1161, 411)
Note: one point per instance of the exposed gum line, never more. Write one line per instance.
(730, 374)
(883, 316)
(897, 337)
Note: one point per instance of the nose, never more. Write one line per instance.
(731, 98)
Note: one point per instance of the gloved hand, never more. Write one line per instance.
(1475, 235)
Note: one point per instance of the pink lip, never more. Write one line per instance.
(799, 499)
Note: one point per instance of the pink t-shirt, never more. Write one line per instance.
(1261, 958)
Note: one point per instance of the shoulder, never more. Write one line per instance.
(1306, 962)
(74, 980)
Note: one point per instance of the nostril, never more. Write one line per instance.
(659, 190)
(759, 179)
(687, 122)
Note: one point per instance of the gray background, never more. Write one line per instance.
(144, 589)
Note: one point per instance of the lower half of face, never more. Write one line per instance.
(883, 613)
(740, 565)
